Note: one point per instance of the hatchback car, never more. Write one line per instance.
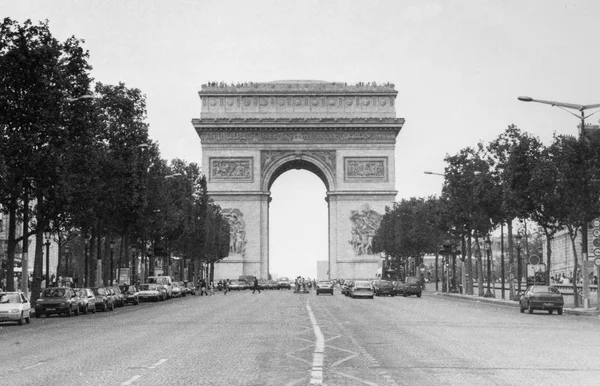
(284, 283)
(383, 287)
(130, 293)
(14, 307)
(57, 300)
(149, 292)
(361, 289)
(87, 300)
(119, 297)
(542, 297)
(410, 286)
(324, 287)
(104, 299)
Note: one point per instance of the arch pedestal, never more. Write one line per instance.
(345, 135)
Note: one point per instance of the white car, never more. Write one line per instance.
(14, 307)
(149, 292)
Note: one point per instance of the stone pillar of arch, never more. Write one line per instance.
(346, 135)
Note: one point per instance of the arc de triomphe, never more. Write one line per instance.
(346, 135)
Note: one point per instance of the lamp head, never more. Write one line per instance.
(518, 238)
(525, 99)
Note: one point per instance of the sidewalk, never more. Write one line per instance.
(568, 308)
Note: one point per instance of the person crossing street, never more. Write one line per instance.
(256, 287)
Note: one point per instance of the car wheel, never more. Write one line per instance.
(419, 295)
(522, 309)
(77, 310)
(559, 311)
(317, 293)
(94, 309)
(405, 295)
(85, 311)
(530, 309)
(37, 315)
(551, 311)
(371, 297)
(21, 320)
(69, 312)
(28, 318)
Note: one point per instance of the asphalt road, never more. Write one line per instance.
(283, 338)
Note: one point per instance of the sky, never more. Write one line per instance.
(458, 67)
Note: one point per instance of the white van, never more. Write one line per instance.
(166, 281)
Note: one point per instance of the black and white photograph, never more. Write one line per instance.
(299, 193)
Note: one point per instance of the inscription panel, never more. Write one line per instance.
(365, 169)
(366, 136)
(231, 169)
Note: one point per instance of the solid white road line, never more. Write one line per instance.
(133, 379)
(316, 374)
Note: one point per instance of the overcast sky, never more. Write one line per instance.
(458, 67)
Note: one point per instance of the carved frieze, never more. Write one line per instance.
(288, 136)
(365, 222)
(234, 169)
(364, 169)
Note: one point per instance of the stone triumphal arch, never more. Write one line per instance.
(346, 135)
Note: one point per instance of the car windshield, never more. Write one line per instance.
(412, 280)
(362, 284)
(383, 282)
(148, 287)
(99, 291)
(9, 298)
(54, 293)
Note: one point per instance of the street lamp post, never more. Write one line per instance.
(86, 242)
(584, 231)
(488, 251)
(502, 258)
(47, 235)
(112, 261)
(518, 238)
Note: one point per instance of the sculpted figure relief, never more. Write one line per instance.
(365, 168)
(231, 169)
(365, 222)
(237, 231)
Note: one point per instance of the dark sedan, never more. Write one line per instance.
(383, 287)
(130, 293)
(542, 297)
(410, 286)
(59, 300)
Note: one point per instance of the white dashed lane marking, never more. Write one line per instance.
(316, 374)
(133, 379)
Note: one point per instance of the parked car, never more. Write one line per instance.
(324, 287)
(236, 285)
(130, 293)
(149, 292)
(383, 287)
(191, 289)
(163, 292)
(346, 287)
(87, 300)
(119, 297)
(410, 286)
(57, 300)
(176, 291)
(284, 283)
(542, 297)
(104, 299)
(166, 281)
(361, 289)
(14, 307)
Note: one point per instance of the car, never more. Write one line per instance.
(542, 297)
(324, 287)
(130, 293)
(284, 283)
(190, 288)
(361, 289)
(14, 307)
(104, 298)
(119, 297)
(166, 281)
(176, 290)
(57, 300)
(410, 286)
(383, 287)
(346, 287)
(150, 291)
(87, 300)
(164, 293)
(236, 285)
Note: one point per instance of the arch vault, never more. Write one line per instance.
(346, 135)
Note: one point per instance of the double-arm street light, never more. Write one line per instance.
(584, 232)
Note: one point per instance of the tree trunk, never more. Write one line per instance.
(548, 256)
(480, 290)
(511, 261)
(10, 252)
(573, 236)
(469, 265)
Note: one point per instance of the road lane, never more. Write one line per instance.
(271, 339)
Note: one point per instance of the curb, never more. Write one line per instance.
(473, 298)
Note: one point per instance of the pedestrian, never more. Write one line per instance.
(225, 286)
(203, 288)
(211, 287)
(256, 287)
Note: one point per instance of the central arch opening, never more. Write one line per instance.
(298, 224)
